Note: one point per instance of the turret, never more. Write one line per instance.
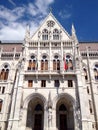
(77, 55)
(27, 34)
(26, 42)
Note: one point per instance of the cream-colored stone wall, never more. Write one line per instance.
(17, 94)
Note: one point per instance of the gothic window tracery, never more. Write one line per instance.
(32, 63)
(50, 23)
(96, 71)
(90, 106)
(45, 34)
(85, 73)
(68, 64)
(56, 63)
(4, 72)
(44, 63)
(55, 34)
(1, 102)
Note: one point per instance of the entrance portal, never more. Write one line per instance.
(38, 117)
(35, 115)
(64, 115)
(38, 122)
(63, 122)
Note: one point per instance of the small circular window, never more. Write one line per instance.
(44, 56)
(32, 57)
(56, 57)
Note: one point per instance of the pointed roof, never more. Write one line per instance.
(52, 17)
(73, 29)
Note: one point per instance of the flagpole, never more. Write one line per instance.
(91, 86)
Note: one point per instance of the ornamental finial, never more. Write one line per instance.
(50, 10)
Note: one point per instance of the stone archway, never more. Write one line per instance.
(30, 109)
(35, 114)
(64, 114)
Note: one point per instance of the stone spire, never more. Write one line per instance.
(74, 37)
(73, 30)
(77, 56)
(27, 33)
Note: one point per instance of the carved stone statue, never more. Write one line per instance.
(49, 106)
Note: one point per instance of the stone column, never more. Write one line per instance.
(23, 118)
(50, 65)
(38, 54)
(62, 62)
(17, 104)
(45, 119)
(54, 119)
(49, 118)
(76, 118)
(6, 104)
(80, 106)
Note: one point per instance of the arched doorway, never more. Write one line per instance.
(64, 114)
(62, 117)
(35, 114)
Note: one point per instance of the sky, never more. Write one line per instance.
(15, 15)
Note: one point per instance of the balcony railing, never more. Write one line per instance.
(50, 72)
(10, 55)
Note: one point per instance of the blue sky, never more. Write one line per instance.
(16, 14)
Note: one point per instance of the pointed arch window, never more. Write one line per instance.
(1, 102)
(62, 107)
(68, 63)
(90, 106)
(4, 72)
(38, 107)
(32, 63)
(55, 34)
(96, 71)
(85, 73)
(56, 63)
(45, 34)
(44, 63)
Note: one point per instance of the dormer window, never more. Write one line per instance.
(45, 34)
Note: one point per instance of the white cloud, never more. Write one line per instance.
(11, 15)
(13, 22)
(9, 33)
(65, 14)
(32, 9)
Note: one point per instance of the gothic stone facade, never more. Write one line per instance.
(49, 81)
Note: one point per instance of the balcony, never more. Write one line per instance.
(50, 72)
(10, 55)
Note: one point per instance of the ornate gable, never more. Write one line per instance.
(51, 29)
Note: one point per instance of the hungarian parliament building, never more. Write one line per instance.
(49, 81)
